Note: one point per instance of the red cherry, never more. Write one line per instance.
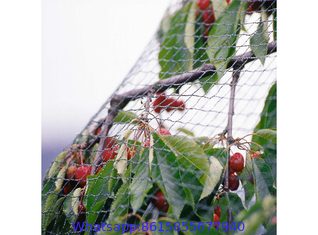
(109, 150)
(254, 6)
(203, 4)
(233, 182)
(71, 172)
(164, 131)
(159, 201)
(99, 169)
(147, 143)
(81, 214)
(67, 188)
(114, 153)
(181, 105)
(274, 220)
(108, 155)
(81, 175)
(208, 17)
(237, 162)
(228, 2)
(110, 142)
(97, 130)
(158, 103)
(130, 153)
(157, 109)
(217, 211)
(168, 103)
(216, 219)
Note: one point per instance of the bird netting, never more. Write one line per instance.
(187, 143)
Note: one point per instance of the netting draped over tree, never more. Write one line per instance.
(187, 139)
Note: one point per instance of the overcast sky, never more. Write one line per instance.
(88, 47)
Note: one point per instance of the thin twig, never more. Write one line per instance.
(230, 139)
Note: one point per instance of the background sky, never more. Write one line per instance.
(88, 47)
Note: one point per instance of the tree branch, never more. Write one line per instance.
(230, 139)
(119, 101)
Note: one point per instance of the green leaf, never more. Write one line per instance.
(167, 176)
(185, 131)
(259, 213)
(218, 153)
(59, 226)
(191, 154)
(249, 188)
(140, 186)
(189, 31)
(275, 23)
(91, 218)
(113, 180)
(70, 207)
(223, 36)
(263, 178)
(56, 164)
(174, 57)
(268, 119)
(200, 56)
(213, 178)
(232, 202)
(125, 116)
(60, 179)
(267, 134)
(164, 26)
(75, 199)
(258, 43)
(249, 192)
(48, 187)
(252, 222)
(97, 188)
(175, 171)
(121, 158)
(93, 153)
(52, 209)
(235, 203)
(202, 139)
(219, 7)
(120, 205)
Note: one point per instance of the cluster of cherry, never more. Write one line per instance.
(162, 102)
(236, 167)
(208, 16)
